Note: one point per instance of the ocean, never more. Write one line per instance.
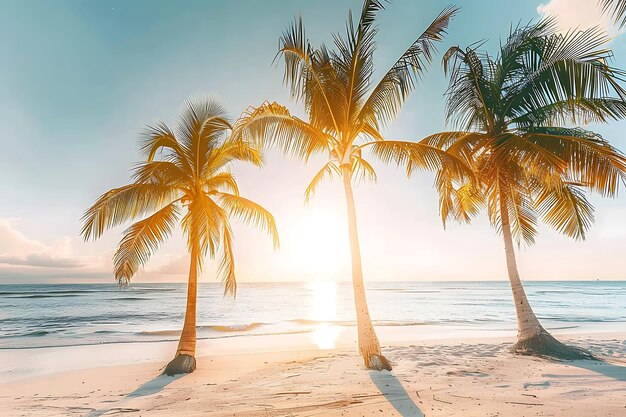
(34, 316)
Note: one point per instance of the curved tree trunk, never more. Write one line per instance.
(185, 362)
(527, 323)
(532, 338)
(369, 347)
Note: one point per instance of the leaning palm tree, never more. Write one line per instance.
(616, 9)
(190, 182)
(346, 108)
(514, 110)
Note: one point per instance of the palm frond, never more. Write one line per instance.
(141, 240)
(161, 172)
(220, 182)
(565, 208)
(123, 204)
(203, 126)
(415, 155)
(353, 61)
(249, 212)
(232, 150)
(470, 98)
(311, 76)
(462, 203)
(523, 151)
(203, 224)
(160, 138)
(362, 170)
(523, 217)
(388, 96)
(576, 110)
(227, 266)
(460, 196)
(563, 67)
(325, 173)
(590, 159)
(271, 125)
(617, 10)
(368, 14)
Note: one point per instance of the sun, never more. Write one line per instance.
(317, 245)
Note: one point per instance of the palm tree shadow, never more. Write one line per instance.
(605, 368)
(153, 386)
(394, 392)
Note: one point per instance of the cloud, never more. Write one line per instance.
(178, 265)
(19, 253)
(17, 249)
(578, 14)
(27, 260)
(40, 260)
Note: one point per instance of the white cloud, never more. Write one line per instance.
(24, 259)
(15, 244)
(578, 14)
(18, 250)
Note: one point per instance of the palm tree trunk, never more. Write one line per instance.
(527, 323)
(532, 338)
(185, 362)
(369, 347)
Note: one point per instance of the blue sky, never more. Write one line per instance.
(79, 80)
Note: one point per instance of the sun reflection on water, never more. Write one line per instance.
(324, 313)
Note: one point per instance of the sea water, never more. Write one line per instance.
(34, 316)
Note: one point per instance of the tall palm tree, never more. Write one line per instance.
(346, 108)
(190, 182)
(514, 111)
(617, 10)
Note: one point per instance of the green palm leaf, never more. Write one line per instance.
(388, 96)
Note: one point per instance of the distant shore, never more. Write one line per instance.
(283, 375)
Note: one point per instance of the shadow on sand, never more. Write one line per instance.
(608, 369)
(151, 387)
(396, 395)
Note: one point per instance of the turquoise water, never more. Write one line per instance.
(65, 315)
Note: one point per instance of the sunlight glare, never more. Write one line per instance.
(324, 313)
(317, 247)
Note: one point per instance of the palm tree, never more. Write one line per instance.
(346, 108)
(617, 10)
(190, 182)
(513, 111)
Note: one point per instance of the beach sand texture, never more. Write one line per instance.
(430, 378)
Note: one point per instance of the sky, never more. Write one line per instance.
(79, 80)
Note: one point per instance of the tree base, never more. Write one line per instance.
(181, 364)
(378, 363)
(544, 344)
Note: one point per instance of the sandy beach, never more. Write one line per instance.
(284, 376)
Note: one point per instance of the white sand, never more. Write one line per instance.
(283, 376)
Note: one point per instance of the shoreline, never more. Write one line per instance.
(46, 360)
(286, 376)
